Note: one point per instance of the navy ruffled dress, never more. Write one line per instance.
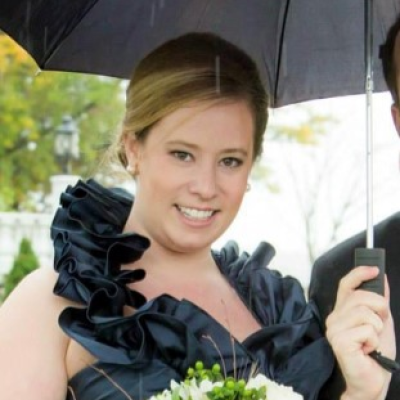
(138, 355)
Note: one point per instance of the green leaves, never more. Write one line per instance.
(25, 262)
(32, 105)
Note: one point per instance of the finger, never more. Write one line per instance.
(362, 315)
(360, 340)
(350, 282)
(362, 298)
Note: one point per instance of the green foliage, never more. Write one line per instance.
(32, 105)
(25, 262)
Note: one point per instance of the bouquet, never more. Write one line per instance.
(209, 384)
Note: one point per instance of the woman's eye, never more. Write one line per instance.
(182, 155)
(231, 162)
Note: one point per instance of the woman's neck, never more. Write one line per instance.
(160, 261)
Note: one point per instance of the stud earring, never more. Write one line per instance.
(134, 171)
(248, 187)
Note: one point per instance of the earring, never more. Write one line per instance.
(248, 187)
(134, 171)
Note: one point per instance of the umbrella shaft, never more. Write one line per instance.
(369, 171)
(369, 87)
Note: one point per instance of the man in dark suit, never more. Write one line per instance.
(333, 265)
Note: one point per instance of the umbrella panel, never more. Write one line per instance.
(305, 49)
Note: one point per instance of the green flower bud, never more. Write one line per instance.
(199, 365)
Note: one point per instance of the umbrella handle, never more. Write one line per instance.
(375, 257)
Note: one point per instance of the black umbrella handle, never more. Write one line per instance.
(375, 257)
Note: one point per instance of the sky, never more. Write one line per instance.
(328, 178)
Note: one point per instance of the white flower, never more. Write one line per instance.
(198, 389)
(275, 391)
(257, 382)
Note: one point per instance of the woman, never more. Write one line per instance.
(140, 296)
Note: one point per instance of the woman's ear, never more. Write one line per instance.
(132, 152)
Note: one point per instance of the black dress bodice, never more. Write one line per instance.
(139, 354)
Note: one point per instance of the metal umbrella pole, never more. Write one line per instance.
(369, 88)
(370, 255)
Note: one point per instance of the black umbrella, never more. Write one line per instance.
(305, 49)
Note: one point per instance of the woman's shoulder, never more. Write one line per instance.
(35, 293)
(32, 344)
(39, 283)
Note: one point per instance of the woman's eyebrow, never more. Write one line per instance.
(195, 146)
(183, 143)
(243, 152)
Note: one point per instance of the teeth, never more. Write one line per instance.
(192, 213)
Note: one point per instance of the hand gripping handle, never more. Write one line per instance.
(375, 257)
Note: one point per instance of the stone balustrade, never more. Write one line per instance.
(14, 226)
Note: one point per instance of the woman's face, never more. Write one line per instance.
(193, 171)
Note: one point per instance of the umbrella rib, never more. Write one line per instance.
(280, 50)
(67, 33)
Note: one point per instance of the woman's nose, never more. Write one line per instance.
(204, 182)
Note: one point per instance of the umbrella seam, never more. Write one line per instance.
(280, 47)
(68, 32)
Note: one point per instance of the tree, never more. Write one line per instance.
(32, 105)
(309, 171)
(306, 128)
(25, 262)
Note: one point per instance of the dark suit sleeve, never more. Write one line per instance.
(323, 289)
(333, 265)
(328, 270)
(323, 286)
(326, 274)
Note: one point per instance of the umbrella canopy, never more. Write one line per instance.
(305, 49)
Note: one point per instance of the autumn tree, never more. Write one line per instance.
(32, 105)
(309, 170)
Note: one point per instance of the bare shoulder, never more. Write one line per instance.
(32, 345)
(35, 289)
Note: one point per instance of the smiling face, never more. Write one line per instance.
(193, 170)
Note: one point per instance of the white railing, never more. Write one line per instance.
(14, 226)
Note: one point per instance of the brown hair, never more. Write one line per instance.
(193, 67)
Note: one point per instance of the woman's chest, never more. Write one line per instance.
(221, 302)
